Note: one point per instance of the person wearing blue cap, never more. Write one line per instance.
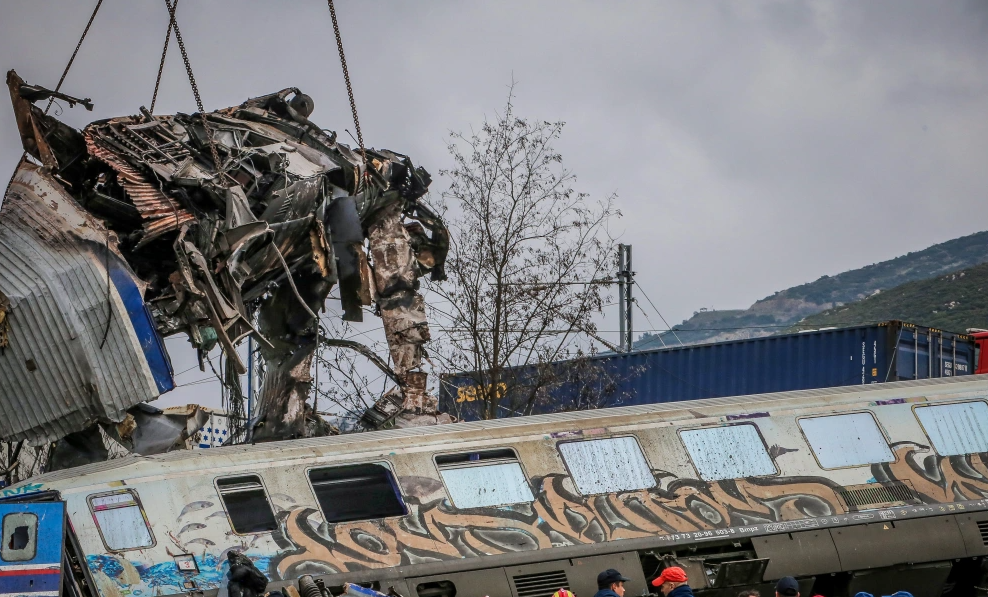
(610, 583)
(787, 587)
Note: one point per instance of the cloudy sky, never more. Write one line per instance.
(753, 145)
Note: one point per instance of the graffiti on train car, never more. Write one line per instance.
(935, 478)
(558, 517)
(21, 490)
(435, 531)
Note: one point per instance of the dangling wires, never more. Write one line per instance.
(349, 88)
(195, 88)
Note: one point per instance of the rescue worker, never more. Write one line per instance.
(563, 593)
(787, 587)
(610, 583)
(673, 583)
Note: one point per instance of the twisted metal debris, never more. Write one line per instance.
(248, 241)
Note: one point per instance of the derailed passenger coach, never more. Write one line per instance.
(874, 489)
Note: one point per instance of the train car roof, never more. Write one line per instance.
(387, 442)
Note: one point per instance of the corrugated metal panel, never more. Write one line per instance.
(54, 377)
(161, 214)
(819, 359)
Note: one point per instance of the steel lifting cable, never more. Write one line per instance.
(192, 81)
(74, 53)
(58, 87)
(164, 52)
(349, 87)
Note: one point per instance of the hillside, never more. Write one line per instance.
(783, 309)
(952, 302)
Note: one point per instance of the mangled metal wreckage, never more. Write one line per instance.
(140, 227)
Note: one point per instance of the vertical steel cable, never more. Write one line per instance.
(58, 87)
(195, 88)
(349, 87)
(161, 65)
(74, 53)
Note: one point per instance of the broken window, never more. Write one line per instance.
(357, 492)
(246, 504)
(954, 429)
(846, 440)
(729, 452)
(121, 520)
(607, 465)
(19, 536)
(483, 479)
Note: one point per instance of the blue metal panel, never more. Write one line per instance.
(39, 576)
(147, 332)
(818, 359)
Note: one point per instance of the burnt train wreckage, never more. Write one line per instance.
(223, 225)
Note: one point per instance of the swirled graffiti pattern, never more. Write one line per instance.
(434, 531)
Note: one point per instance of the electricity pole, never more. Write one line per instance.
(626, 281)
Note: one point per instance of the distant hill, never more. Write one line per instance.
(952, 302)
(783, 309)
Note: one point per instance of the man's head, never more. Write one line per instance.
(787, 587)
(613, 580)
(750, 593)
(671, 577)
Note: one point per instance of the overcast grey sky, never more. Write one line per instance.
(753, 145)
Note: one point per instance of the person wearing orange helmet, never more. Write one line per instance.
(673, 583)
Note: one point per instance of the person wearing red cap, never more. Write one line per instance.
(673, 583)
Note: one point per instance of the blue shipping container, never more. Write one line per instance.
(889, 351)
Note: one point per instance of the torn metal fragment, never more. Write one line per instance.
(58, 375)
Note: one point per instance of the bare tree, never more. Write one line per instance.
(527, 257)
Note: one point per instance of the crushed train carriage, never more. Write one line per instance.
(848, 489)
(223, 225)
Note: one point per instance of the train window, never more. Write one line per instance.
(357, 492)
(729, 452)
(484, 479)
(19, 536)
(121, 520)
(246, 504)
(960, 428)
(607, 465)
(852, 439)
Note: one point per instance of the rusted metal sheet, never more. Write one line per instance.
(160, 212)
(58, 375)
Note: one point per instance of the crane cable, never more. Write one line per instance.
(58, 87)
(74, 53)
(349, 87)
(192, 81)
(161, 65)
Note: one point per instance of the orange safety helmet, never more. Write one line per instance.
(563, 593)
